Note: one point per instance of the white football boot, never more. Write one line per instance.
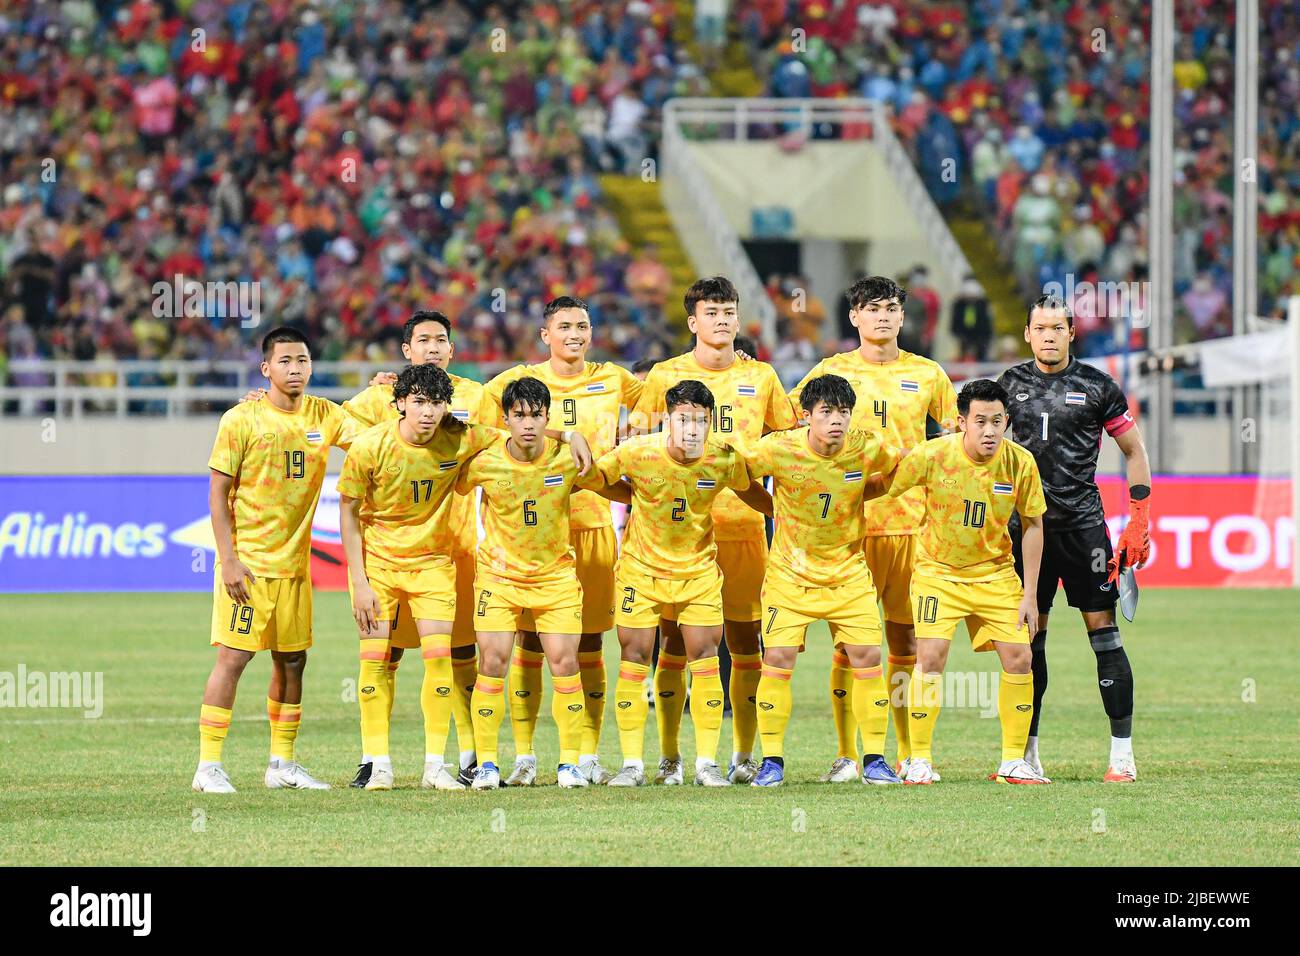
(920, 772)
(843, 770)
(291, 775)
(438, 777)
(670, 772)
(1019, 771)
(628, 777)
(594, 772)
(710, 775)
(524, 774)
(212, 779)
(568, 777)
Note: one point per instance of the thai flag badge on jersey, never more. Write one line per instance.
(461, 414)
(1076, 398)
(747, 391)
(596, 387)
(314, 437)
(908, 385)
(446, 465)
(706, 483)
(1003, 488)
(853, 476)
(551, 481)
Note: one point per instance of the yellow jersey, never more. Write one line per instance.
(407, 491)
(375, 404)
(588, 403)
(820, 522)
(277, 459)
(894, 399)
(968, 506)
(670, 533)
(525, 511)
(748, 401)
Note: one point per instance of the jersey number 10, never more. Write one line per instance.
(974, 516)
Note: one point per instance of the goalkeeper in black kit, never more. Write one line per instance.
(1059, 409)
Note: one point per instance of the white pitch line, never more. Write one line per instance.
(40, 721)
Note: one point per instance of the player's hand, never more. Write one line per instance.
(581, 453)
(1027, 616)
(744, 356)
(233, 577)
(1135, 541)
(253, 395)
(365, 607)
(384, 378)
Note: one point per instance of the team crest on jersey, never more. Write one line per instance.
(314, 437)
(853, 476)
(706, 483)
(551, 481)
(908, 385)
(460, 413)
(446, 465)
(748, 391)
(596, 387)
(1003, 488)
(1076, 398)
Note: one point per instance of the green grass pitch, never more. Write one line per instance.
(1216, 744)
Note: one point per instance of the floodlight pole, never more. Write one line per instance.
(1246, 399)
(1293, 326)
(1160, 230)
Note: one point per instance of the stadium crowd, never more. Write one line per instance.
(1044, 105)
(359, 160)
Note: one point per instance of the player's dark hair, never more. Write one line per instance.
(688, 392)
(875, 289)
(419, 318)
(561, 302)
(278, 335)
(1050, 301)
(427, 380)
(747, 345)
(834, 390)
(643, 366)
(529, 392)
(980, 390)
(711, 289)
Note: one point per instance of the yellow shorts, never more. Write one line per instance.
(742, 564)
(989, 608)
(889, 557)
(550, 608)
(403, 633)
(643, 600)
(278, 617)
(596, 553)
(429, 593)
(849, 609)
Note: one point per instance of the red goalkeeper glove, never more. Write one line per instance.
(1135, 541)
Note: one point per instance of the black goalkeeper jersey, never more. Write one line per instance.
(1060, 418)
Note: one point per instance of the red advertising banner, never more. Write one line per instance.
(1212, 531)
(1206, 531)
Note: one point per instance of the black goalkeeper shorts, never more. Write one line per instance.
(1077, 559)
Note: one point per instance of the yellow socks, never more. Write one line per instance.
(871, 708)
(846, 727)
(214, 724)
(897, 676)
(746, 669)
(670, 702)
(374, 696)
(525, 697)
(1015, 711)
(706, 707)
(489, 706)
(630, 710)
(464, 673)
(392, 685)
(591, 668)
(567, 707)
(435, 694)
(774, 702)
(285, 719)
(924, 700)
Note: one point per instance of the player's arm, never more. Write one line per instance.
(885, 461)
(796, 394)
(233, 572)
(577, 445)
(910, 472)
(780, 413)
(943, 403)
(1135, 541)
(365, 606)
(618, 491)
(645, 416)
(1031, 545)
(757, 497)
